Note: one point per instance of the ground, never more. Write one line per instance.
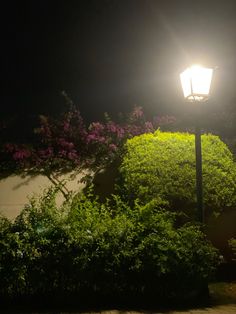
(223, 301)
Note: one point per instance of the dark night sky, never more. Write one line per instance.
(112, 54)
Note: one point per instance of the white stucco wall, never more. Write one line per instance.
(15, 191)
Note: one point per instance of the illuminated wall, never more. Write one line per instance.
(15, 191)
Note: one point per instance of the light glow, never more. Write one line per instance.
(196, 82)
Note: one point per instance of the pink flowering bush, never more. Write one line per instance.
(66, 143)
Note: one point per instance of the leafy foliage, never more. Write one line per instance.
(88, 248)
(163, 165)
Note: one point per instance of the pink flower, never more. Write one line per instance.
(73, 156)
(112, 127)
(96, 138)
(133, 130)
(91, 137)
(66, 126)
(9, 148)
(62, 153)
(120, 132)
(164, 120)
(46, 153)
(96, 127)
(116, 129)
(101, 139)
(21, 154)
(149, 126)
(113, 147)
(65, 144)
(137, 112)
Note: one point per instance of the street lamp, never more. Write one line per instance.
(196, 82)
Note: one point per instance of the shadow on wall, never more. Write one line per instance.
(105, 181)
(15, 191)
(25, 181)
(221, 229)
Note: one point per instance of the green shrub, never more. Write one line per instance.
(86, 248)
(163, 165)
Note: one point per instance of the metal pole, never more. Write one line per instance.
(198, 150)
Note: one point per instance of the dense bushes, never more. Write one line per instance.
(163, 165)
(108, 250)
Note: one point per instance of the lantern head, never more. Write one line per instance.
(196, 82)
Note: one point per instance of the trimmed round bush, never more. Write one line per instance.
(162, 165)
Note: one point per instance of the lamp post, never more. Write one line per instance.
(196, 82)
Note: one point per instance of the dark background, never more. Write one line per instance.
(110, 55)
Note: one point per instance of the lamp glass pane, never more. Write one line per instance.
(185, 78)
(201, 80)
